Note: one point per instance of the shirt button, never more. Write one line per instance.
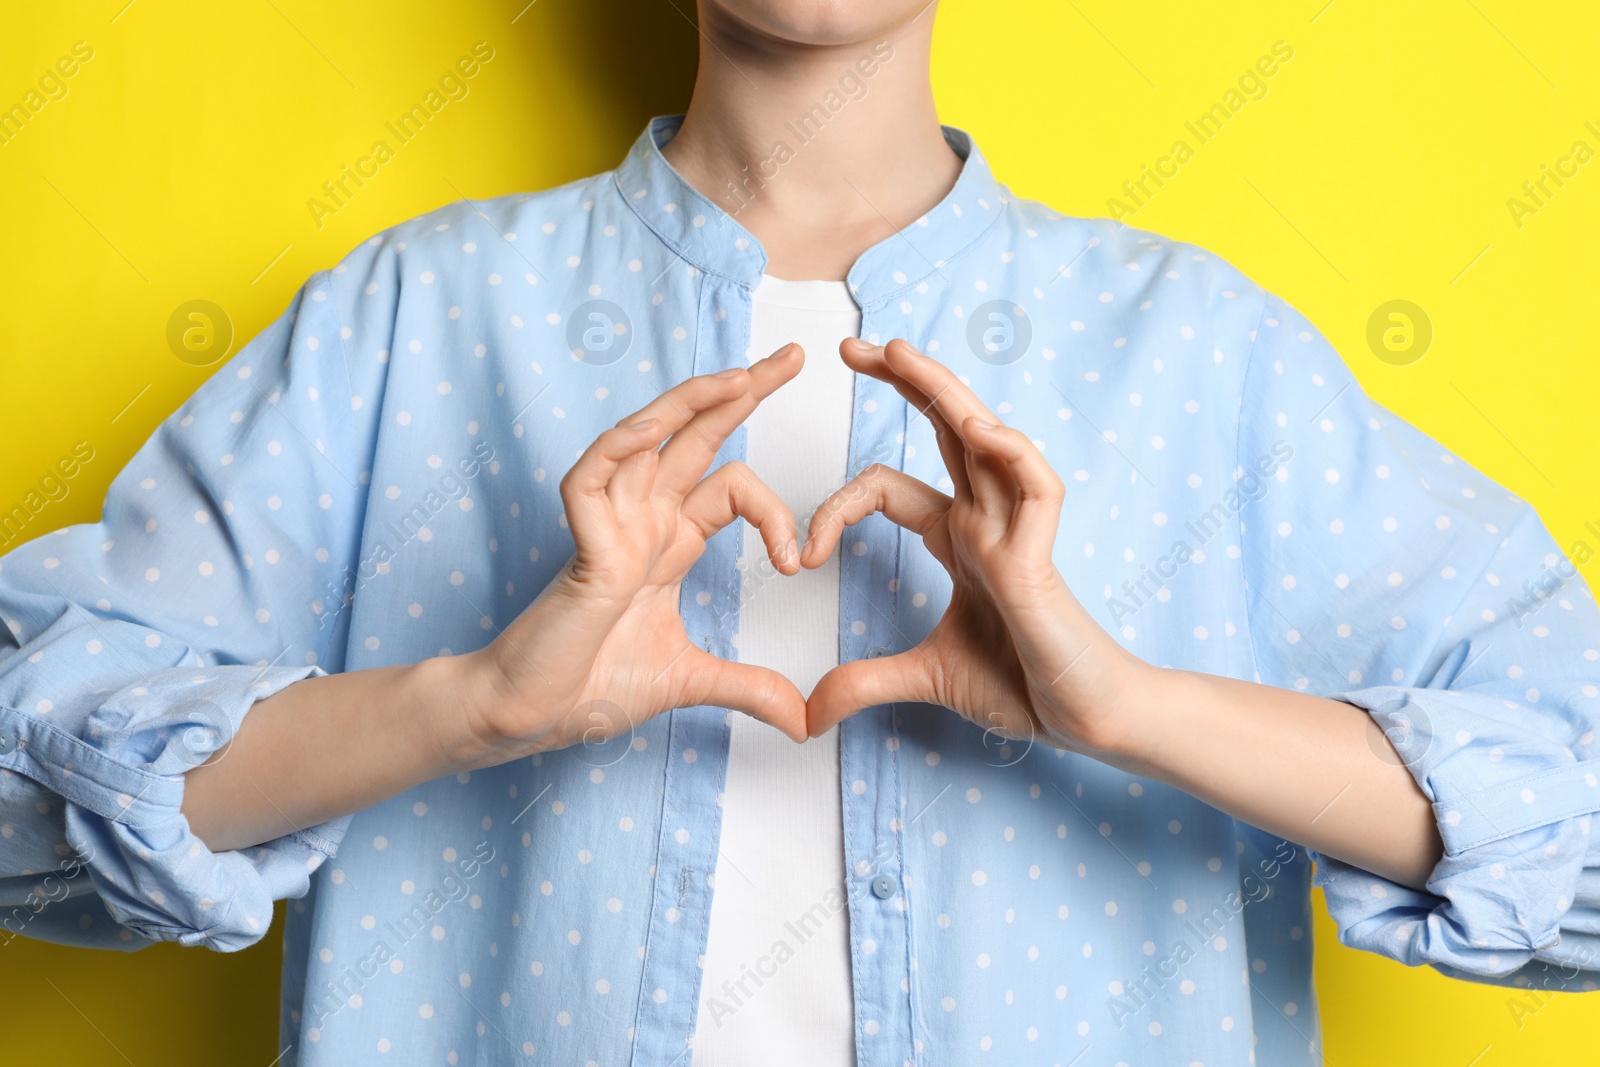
(884, 887)
(877, 652)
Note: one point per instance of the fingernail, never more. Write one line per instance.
(729, 373)
(980, 424)
(643, 424)
(857, 342)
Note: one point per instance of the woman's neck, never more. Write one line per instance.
(821, 151)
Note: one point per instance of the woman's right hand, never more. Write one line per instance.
(603, 648)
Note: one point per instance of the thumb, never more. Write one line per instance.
(865, 683)
(758, 692)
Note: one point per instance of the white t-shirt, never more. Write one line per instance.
(782, 848)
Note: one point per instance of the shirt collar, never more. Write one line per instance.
(710, 239)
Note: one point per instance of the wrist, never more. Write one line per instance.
(1144, 696)
(1158, 722)
(454, 696)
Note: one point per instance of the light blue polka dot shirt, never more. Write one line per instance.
(373, 480)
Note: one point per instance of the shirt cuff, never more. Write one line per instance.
(122, 783)
(1514, 808)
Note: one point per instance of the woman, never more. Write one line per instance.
(1117, 603)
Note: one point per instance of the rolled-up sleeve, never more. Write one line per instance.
(1388, 573)
(133, 648)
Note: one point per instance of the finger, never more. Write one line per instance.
(676, 408)
(583, 488)
(866, 683)
(733, 491)
(595, 467)
(863, 357)
(904, 500)
(634, 476)
(634, 479)
(949, 393)
(691, 452)
(758, 692)
(991, 487)
(1040, 491)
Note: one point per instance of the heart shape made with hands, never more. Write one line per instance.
(1014, 651)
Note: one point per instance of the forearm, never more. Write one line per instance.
(1315, 771)
(332, 745)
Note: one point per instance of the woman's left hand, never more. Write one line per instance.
(1015, 652)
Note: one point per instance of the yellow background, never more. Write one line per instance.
(1377, 167)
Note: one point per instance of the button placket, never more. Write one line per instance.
(879, 918)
